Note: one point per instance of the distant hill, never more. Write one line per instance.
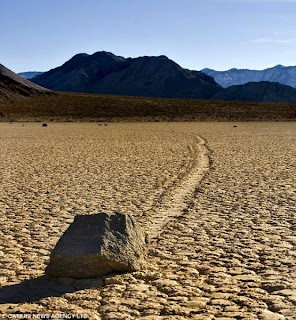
(106, 73)
(279, 73)
(263, 91)
(30, 74)
(13, 86)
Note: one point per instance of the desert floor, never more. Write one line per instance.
(218, 201)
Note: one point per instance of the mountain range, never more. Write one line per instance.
(106, 73)
(279, 73)
(158, 76)
(13, 86)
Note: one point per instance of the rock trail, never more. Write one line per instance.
(176, 198)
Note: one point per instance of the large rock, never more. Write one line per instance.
(95, 245)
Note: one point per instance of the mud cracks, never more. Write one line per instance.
(222, 222)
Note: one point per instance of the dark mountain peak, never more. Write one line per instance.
(160, 60)
(74, 62)
(163, 57)
(155, 58)
(82, 71)
(81, 59)
(106, 55)
(83, 54)
(263, 91)
(161, 66)
(104, 72)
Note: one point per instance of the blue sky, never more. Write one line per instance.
(220, 34)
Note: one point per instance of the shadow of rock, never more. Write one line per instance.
(43, 287)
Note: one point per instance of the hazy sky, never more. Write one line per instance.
(220, 34)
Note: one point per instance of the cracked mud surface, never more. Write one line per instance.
(226, 248)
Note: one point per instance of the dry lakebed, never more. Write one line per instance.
(217, 199)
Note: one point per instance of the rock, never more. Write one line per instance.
(98, 244)
(44, 125)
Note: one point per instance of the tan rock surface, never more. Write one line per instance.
(223, 248)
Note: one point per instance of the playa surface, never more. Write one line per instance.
(217, 201)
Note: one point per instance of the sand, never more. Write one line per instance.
(218, 203)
